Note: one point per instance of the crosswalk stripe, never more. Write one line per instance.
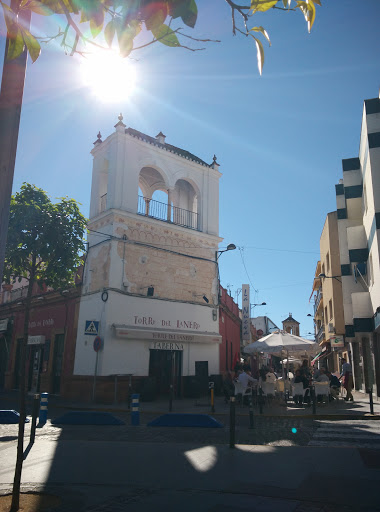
(344, 444)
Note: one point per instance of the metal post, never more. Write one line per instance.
(36, 406)
(43, 408)
(129, 391)
(314, 399)
(251, 412)
(95, 373)
(135, 414)
(171, 398)
(261, 400)
(232, 422)
(115, 391)
(371, 401)
(212, 399)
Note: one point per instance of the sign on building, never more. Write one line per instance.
(92, 328)
(246, 328)
(336, 341)
(36, 340)
(3, 325)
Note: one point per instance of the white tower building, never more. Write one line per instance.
(151, 277)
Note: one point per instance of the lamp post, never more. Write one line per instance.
(230, 247)
(323, 276)
(254, 305)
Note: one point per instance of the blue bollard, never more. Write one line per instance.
(43, 408)
(135, 414)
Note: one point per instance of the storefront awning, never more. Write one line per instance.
(135, 333)
(320, 356)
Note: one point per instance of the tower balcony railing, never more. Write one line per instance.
(167, 213)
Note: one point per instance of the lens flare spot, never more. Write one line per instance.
(294, 430)
(111, 78)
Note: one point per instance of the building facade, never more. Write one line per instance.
(51, 341)
(358, 213)
(230, 331)
(151, 287)
(328, 298)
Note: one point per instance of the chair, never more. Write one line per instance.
(241, 390)
(322, 389)
(269, 389)
(298, 390)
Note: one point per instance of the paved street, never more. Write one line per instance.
(359, 433)
(292, 463)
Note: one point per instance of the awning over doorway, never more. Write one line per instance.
(135, 333)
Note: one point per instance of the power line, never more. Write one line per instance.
(241, 249)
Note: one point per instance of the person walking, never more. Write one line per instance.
(348, 381)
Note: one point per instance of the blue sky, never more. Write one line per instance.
(279, 138)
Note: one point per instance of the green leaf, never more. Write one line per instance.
(286, 3)
(10, 19)
(156, 19)
(308, 9)
(166, 36)
(96, 22)
(16, 45)
(32, 44)
(318, 2)
(109, 32)
(39, 8)
(260, 54)
(189, 17)
(263, 31)
(125, 38)
(262, 5)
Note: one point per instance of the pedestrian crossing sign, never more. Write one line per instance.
(92, 328)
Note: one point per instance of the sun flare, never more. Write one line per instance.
(110, 77)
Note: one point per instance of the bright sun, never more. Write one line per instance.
(110, 77)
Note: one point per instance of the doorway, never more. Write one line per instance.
(166, 367)
(4, 356)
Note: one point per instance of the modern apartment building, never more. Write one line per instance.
(328, 298)
(358, 214)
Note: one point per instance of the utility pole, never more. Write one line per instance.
(12, 89)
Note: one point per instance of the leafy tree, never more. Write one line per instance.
(129, 25)
(134, 24)
(44, 245)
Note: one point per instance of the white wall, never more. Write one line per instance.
(121, 355)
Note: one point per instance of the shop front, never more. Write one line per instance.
(159, 343)
(49, 340)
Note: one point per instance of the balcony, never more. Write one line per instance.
(173, 214)
(317, 300)
(320, 336)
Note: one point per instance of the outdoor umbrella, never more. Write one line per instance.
(279, 342)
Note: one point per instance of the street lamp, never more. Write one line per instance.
(230, 247)
(254, 305)
(323, 276)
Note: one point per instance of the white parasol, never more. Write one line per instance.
(279, 342)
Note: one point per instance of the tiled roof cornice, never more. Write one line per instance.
(167, 147)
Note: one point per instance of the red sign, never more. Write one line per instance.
(97, 343)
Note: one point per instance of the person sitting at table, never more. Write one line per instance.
(270, 376)
(322, 376)
(305, 370)
(334, 386)
(298, 399)
(245, 381)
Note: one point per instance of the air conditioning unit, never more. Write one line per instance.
(331, 328)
